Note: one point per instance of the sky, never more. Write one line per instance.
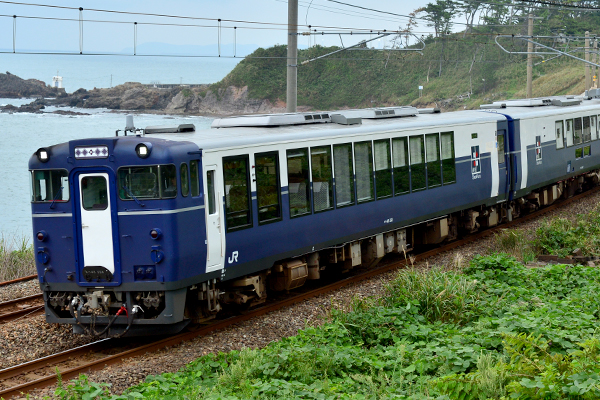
(34, 34)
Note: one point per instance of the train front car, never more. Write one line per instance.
(119, 233)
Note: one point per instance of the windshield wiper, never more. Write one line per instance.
(56, 197)
(132, 196)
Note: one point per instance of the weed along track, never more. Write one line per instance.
(95, 356)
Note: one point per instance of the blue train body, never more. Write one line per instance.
(142, 234)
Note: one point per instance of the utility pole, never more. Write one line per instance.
(292, 57)
(588, 77)
(594, 68)
(529, 57)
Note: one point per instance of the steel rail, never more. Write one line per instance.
(6, 316)
(99, 364)
(22, 279)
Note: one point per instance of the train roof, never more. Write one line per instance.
(544, 106)
(223, 138)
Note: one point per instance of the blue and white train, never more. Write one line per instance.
(144, 233)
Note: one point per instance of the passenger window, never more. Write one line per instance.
(195, 178)
(587, 133)
(267, 187)
(538, 148)
(417, 163)
(401, 169)
(587, 150)
(322, 180)
(500, 141)
(344, 174)
(577, 136)
(559, 128)
(569, 123)
(434, 169)
(593, 127)
(579, 152)
(383, 169)
(363, 156)
(210, 185)
(237, 199)
(168, 181)
(183, 177)
(448, 159)
(298, 183)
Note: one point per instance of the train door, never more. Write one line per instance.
(503, 165)
(214, 220)
(96, 237)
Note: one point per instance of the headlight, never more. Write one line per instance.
(42, 154)
(143, 150)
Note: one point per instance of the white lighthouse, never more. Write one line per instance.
(57, 81)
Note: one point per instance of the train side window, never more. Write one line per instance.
(448, 158)
(322, 179)
(593, 127)
(587, 132)
(237, 196)
(538, 148)
(577, 131)
(569, 132)
(401, 168)
(500, 141)
(298, 182)
(195, 178)
(432, 152)
(383, 169)
(363, 156)
(50, 185)
(183, 177)
(210, 185)
(417, 163)
(559, 128)
(267, 187)
(587, 151)
(344, 174)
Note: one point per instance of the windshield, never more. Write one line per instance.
(149, 182)
(50, 185)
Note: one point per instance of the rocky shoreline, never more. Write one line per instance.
(135, 97)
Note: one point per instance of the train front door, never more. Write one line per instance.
(215, 238)
(96, 243)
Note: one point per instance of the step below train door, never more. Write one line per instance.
(95, 209)
(215, 237)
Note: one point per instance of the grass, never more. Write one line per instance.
(16, 258)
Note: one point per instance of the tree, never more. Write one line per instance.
(439, 15)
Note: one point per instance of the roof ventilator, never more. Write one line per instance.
(271, 120)
(560, 101)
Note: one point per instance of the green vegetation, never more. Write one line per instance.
(493, 330)
(562, 236)
(16, 258)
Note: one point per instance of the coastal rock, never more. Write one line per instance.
(11, 86)
(229, 101)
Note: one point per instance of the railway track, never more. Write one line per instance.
(22, 279)
(22, 307)
(40, 373)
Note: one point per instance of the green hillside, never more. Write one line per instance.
(376, 78)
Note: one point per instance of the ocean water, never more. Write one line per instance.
(21, 134)
(88, 72)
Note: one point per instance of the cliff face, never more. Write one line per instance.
(11, 86)
(229, 101)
